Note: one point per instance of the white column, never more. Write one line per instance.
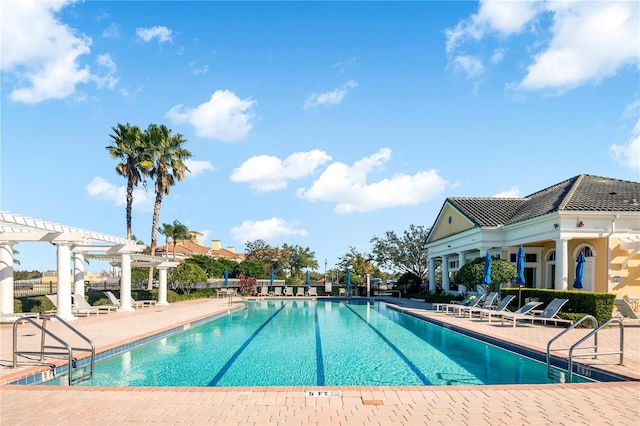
(445, 273)
(462, 259)
(162, 286)
(368, 286)
(78, 274)
(64, 281)
(432, 274)
(125, 283)
(6, 278)
(562, 264)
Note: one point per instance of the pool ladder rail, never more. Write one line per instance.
(577, 345)
(75, 373)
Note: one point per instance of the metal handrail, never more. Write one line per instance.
(68, 349)
(595, 333)
(565, 331)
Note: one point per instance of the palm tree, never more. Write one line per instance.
(176, 232)
(168, 167)
(135, 162)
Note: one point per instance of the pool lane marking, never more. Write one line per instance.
(234, 357)
(397, 350)
(319, 362)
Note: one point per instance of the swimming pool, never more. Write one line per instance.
(308, 342)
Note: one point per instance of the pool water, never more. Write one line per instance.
(285, 342)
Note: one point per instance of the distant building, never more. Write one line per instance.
(195, 246)
(596, 216)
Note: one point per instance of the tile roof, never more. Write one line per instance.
(580, 193)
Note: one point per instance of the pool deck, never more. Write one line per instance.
(613, 403)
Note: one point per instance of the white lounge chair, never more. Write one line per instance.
(459, 309)
(74, 310)
(81, 303)
(288, 291)
(264, 291)
(550, 313)
(526, 309)
(483, 303)
(300, 291)
(277, 291)
(500, 307)
(312, 292)
(442, 307)
(624, 309)
(135, 303)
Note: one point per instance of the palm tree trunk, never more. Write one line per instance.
(154, 233)
(129, 205)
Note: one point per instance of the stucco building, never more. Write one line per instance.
(595, 215)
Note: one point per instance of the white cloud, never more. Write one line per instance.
(197, 166)
(269, 173)
(40, 54)
(331, 98)
(629, 155)
(513, 192)
(162, 33)
(225, 116)
(269, 230)
(117, 195)
(197, 70)
(109, 79)
(588, 42)
(472, 66)
(504, 17)
(112, 31)
(348, 188)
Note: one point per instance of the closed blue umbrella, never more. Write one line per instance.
(226, 277)
(271, 277)
(519, 267)
(577, 283)
(520, 274)
(486, 279)
(348, 278)
(306, 279)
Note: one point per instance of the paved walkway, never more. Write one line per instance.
(563, 404)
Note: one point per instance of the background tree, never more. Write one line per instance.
(472, 272)
(214, 268)
(404, 254)
(299, 259)
(249, 268)
(360, 265)
(128, 147)
(184, 277)
(270, 257)
(168, 156)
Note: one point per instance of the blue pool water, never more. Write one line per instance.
(286, 342)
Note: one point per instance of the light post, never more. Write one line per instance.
(325, 272)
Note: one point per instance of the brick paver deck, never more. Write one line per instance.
(553, 404)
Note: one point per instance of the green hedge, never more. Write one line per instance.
(581, 303)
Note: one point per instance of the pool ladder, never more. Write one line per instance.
(75, 374)
(568, 373)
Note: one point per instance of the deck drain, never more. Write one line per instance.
(243, 395)
(316, 394)
(372, 402)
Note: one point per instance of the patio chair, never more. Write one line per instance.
(625, 310)
(312, 292)
(488, 301)
(112, 298)
(500, 307)
(300, 291)
(443, 306)
(526, 309)
(288, 291)
(81, 303)
(277, 291)
(550, 313)
(74, 310)
(264, 291)
(458, 309)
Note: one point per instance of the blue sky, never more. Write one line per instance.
(321, 124)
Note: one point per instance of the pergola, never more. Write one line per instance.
(82, 244)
